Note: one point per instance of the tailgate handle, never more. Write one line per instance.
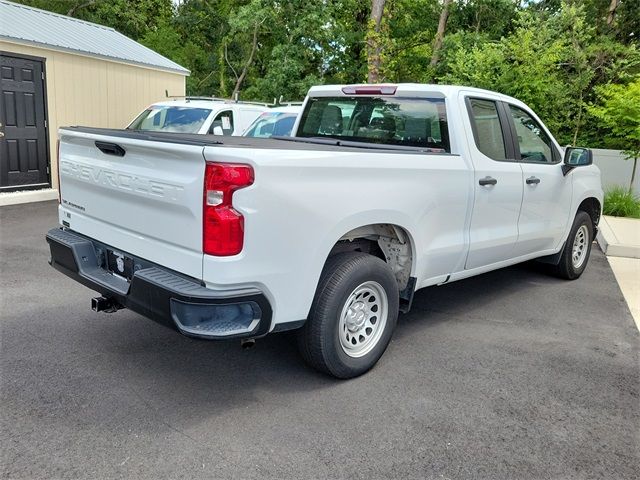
(111, 149)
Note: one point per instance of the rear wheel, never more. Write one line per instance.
(352, 317)
(577, 248)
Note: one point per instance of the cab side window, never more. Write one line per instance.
(488, 129)
(534, 143)
(222, 124)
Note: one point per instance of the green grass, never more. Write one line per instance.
(619, 202)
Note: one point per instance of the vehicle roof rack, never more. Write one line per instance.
(215, 99)
(286, 103)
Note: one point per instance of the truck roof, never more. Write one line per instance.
(404, 90)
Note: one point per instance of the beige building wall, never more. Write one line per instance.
(93, 92)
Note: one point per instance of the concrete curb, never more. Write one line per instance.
(16, 198)
(627, 273)
(619, 237)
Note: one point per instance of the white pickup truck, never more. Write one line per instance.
(382, 190)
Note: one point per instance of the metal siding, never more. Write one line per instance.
(31, 25)
(92, 92)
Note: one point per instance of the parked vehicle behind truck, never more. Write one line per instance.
(277, 122)
(382, 190)
(202, 115)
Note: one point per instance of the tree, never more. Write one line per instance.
(133, 18)
(350, 19)
(525, 64)
(552, 54)
(442, 25)
(551, 61)
(302, 46)
(611, 15)
(247, 21)
(374, 41)
(619, 111)
(490, 18)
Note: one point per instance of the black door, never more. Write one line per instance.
(24, 155)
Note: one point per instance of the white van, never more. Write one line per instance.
(198, 115)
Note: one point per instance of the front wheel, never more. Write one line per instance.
(352, 317)
(577, 249)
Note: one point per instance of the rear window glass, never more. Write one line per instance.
(171, 119)
(413, 122)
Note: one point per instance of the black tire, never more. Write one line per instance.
(319, 341)
(566, 268)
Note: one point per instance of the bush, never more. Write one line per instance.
(619, 202)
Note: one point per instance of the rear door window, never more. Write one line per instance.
(413, 122)
(488, 129)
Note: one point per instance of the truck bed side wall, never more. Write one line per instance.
(301, 204)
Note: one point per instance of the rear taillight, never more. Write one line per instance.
(223, 226)
(58, 169)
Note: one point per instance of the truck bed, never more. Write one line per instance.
(287, 143)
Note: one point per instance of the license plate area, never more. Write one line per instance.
(119, 264)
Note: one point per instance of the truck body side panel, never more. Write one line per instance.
(303, 202)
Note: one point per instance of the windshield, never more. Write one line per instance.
(412, 122)
(271, 124)
(171, 119)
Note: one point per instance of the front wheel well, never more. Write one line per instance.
(592, 207)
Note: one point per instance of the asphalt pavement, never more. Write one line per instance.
(510, 375)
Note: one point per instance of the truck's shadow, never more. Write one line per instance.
(207, 378)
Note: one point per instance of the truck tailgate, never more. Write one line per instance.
(139, 196)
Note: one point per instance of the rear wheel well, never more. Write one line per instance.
(389, 242)
(592, 207)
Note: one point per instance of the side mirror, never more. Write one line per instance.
(217, 130)
(576, 157)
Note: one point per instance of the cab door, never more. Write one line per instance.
(498, 184)
(546, 201)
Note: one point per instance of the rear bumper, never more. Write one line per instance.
(161, 294)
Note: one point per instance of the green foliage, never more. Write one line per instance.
(166, 40)
(544, 62)
(294, 60)
(619, 202)
(551, 61)
(133, 18)
(619, 112)
(618, 109)
(490, 18)
(555, 55)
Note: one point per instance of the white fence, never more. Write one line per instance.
(616, 171)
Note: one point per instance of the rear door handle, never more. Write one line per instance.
(533, 181)
(487, 181)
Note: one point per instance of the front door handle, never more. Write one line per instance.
(533, 181)
(487, 181)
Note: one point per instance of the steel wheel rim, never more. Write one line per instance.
(363, 319)
(580, 244)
